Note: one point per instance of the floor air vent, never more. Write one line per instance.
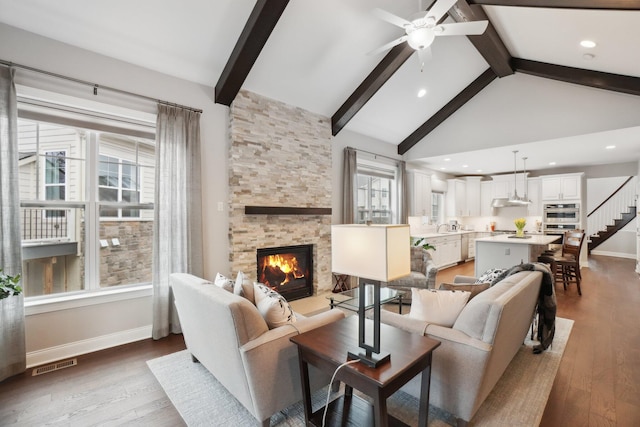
(54, 367)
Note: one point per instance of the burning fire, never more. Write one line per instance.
(278, 270)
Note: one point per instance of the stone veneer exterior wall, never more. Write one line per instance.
(279, 155)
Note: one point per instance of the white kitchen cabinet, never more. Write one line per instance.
(419, 193)
(503, 185)
(456, 198)
(447, 250)
(534, 194)
(561, 187)
(473, 197)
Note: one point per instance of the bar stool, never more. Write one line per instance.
(565, 265)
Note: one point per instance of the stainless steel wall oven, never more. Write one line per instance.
(560, 217)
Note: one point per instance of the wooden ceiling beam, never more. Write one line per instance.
(254, 36)
(488, 44)
(597, 79)
(565, 4)
(445, 112)
(370, 85)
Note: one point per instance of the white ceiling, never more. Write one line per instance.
(316, 57)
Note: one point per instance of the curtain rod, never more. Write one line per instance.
(96, 86)
(375, 154)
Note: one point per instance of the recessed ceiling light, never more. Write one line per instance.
(552, 163)
(447, 159)
(422, 92)
(610, 147)
(443, 168)
(465, 166)
(588, 56)
(589, 44)
(478, 170)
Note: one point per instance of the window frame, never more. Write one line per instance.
(382, 170)
(138, 125)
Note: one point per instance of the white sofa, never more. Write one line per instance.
(477, 349)
(227, 334)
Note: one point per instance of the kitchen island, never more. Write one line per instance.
(506, 250)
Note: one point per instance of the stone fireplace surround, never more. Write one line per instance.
(279, 156)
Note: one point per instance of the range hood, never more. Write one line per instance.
(514, 200)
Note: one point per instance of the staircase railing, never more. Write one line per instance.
(617, 203)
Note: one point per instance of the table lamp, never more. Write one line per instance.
(373, 253)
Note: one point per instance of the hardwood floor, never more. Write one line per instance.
(598, 382)
(109, 387)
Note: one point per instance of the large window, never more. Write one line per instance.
(86, 207)
(376, 197)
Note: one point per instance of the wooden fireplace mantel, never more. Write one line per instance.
(285, 210)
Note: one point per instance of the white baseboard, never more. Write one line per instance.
(615, 254)
(65, 351)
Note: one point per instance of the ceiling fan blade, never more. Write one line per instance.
(391, 18)
(441, 7)
(424, 55)
(461, 28)
(388, 46)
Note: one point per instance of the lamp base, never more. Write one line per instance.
(372, 360)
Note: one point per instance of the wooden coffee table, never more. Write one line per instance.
(326, 348)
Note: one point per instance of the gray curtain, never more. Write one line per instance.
(12, 339)
(403, 193)
(177, 240)
(349, 189)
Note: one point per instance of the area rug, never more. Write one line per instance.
(518, 399)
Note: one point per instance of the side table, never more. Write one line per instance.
(326, 348)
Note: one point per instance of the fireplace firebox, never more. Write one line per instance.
(287, 269)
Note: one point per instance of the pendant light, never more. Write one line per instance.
(515, 200)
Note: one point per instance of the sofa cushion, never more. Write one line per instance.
(473, 288)
(224, 282)
(473, 319)
(490, 275)
(243, 287)
(275, 310)
(437, 307)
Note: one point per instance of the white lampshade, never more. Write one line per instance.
(376, 252)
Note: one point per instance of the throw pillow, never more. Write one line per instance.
(490, 275)
(436, 306)
(474, 289)
(223, 282)
(275, 310)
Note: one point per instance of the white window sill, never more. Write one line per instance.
(84, 299)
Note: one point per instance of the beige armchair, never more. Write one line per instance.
(423, 273)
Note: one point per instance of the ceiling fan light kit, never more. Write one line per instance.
(422, 29)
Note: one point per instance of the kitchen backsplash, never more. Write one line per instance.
(504, 221)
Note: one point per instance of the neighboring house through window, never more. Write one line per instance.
(86, 203)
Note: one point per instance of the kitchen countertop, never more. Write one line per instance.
(445, 234)
(536, 239)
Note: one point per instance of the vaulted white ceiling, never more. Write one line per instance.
(317, 56)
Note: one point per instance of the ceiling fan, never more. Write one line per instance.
(422, 29)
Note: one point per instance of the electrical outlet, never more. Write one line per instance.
(220, 206)
(507, 251)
